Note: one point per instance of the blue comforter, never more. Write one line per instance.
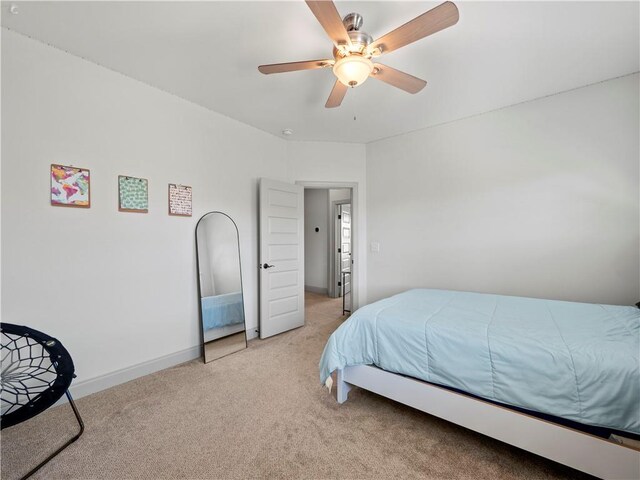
(572, 360)
(222, 310)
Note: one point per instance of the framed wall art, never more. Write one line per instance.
(180, 200)
(70, 186)
(133, 194)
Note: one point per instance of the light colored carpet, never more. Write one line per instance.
(259, 413)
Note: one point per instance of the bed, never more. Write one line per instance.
(498, 364)
(222, 310)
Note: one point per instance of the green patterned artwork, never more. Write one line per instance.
(133, 194)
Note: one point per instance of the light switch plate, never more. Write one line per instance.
(375, 247)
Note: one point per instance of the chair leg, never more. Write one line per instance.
(69, 442)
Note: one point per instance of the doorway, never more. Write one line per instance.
(328, 224)
(283, 235)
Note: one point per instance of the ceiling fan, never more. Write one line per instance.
(354, 49)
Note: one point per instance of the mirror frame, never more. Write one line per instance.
(202, 342)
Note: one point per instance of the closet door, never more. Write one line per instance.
(281, 257)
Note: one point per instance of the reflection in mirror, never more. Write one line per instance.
(220, 286)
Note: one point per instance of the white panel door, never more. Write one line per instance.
(345, 247)
(281, 257)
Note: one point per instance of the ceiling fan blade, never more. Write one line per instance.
(338, 92)
(293, 66)
(436, 19)
(398, 79)
(328, 16)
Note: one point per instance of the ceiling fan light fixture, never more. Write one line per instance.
(354, 49)
(353, 70)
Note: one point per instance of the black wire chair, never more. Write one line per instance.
(36, 372)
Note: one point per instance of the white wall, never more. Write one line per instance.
(119, 289)
(316, 244)
(339, 194)
(539, 199)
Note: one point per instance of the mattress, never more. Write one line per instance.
(570, 360)
(222, 310)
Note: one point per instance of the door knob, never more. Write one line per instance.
(266, 265)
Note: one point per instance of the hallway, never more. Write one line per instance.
(316, 304)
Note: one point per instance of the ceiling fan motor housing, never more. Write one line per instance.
(352, 21)
(359, 40)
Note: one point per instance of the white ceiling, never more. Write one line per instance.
(499, 53)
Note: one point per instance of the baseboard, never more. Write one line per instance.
(318, 290)
(102, 382)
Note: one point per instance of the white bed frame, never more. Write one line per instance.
(579, 450)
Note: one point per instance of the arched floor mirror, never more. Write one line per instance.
(221, 301)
